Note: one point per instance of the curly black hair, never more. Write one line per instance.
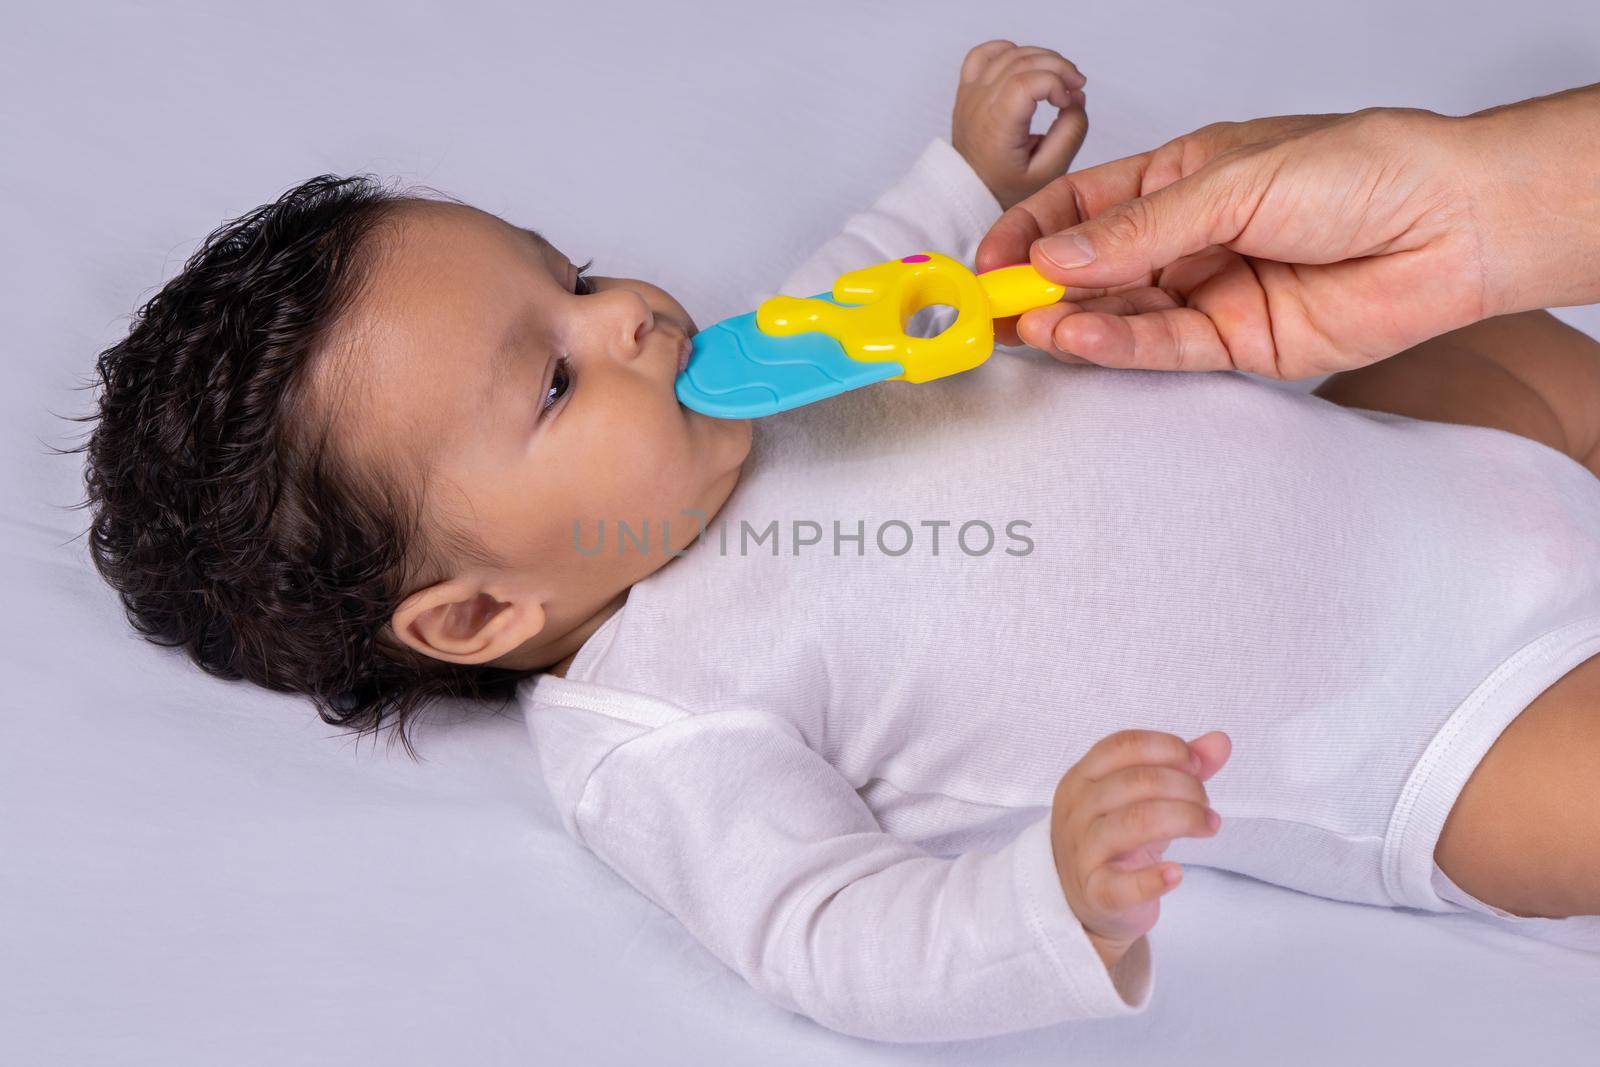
(223, 516)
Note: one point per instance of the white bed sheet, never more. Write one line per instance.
(195, 872)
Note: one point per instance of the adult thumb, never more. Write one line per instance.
(1131, 241)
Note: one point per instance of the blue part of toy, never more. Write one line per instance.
(738, 372)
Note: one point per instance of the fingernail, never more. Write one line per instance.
(1213, 820)
(1194, 761)
(1171, 875)
(1067, 250)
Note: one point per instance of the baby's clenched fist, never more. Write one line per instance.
(1113, 816)
(1001, 85)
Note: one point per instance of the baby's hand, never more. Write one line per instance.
(1001, 84)
(1114, 814)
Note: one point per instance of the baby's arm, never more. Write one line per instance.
(769, 857)
(1528, 373)
(939, 205)
(958, 188)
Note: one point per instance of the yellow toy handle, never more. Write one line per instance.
(875, 303)
(1013, 290)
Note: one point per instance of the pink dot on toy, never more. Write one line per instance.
(915, 259)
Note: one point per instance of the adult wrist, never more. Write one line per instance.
(1531, 179)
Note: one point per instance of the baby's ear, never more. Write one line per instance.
(460, 621)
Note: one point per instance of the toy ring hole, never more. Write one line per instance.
(922, 322)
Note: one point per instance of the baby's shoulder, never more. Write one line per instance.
(577, 725)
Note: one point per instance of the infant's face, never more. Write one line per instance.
(534, 407)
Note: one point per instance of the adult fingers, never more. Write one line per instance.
(1136, 238)
(1217, 283)
(1052, 208)
(1037, 327)
(1101, 187)
(1135, 301)
(1060, 205)
(1055, 207)
(1064, 203)
(1083, 194)
(1176, 339)
(1258, 315)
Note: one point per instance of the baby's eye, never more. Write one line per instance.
(580, 284)
(560, 385)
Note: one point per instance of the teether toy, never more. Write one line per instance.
(793, 351)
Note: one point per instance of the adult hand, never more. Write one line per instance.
(1306, 244)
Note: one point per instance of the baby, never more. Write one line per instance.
(811, 683)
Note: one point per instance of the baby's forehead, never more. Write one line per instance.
(443, 251)
(431, 253)
(439, 279)
(429, 227)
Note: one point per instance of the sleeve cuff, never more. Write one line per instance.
(1096, 992)
(959, 185)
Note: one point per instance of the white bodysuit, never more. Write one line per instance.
(830, 752)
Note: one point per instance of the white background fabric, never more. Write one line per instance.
(195, 872)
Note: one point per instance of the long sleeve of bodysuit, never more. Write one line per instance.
(939, 205)
(769, 857)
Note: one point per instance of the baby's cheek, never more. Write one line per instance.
(655, 460)
(693, 465)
